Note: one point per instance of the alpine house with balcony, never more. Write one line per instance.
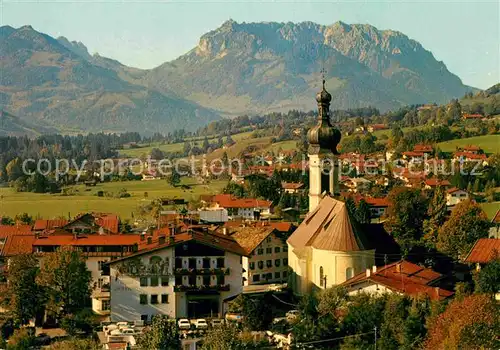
(185, 274)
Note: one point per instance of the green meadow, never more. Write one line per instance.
(86, 199)
(489, 143)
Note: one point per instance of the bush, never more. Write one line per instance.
(21, 339)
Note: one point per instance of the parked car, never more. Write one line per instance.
(234, 317)
(184, 323)
(292, 315)
(217, 322)
(201, 323)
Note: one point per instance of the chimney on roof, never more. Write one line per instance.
(224, 231)
(368, 272)
(143, 236)
(205, 230)
(436, 290)
(374, 269)
(161, 240)
(398, 267)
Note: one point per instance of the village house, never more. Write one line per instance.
(191, 274)
(267, 260)
(292, 187)
(495, 226)
(435, 182)
(455, 196)
(483, 251)
(402, 277)
(378, 206)
(375, 127)
(357, 184)
(245, 208)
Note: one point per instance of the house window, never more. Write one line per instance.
(252, 265)
(285, 262)
(256, 278)
(154, 281)
(277, 249)
(269, 250)
(285, 248)
(143, 299)
(192, 280)
(206, 263)
(269, 263)
(277, 275)
(164, 298)
(206, 280)
(105, 305)
(154, 298)
(285, 274)
(221, 280)
(144, 318)
(349, 273)
(260, 251)
(192, 263)
(269, 275)
(178, 280)
(220, 262)
(260, 264)
(277, 262)
(164, 281)
(321, 276)
(268, 239)
(143, 281)
(99, 265)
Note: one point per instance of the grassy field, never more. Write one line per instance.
(489, 143)
(54, 205)
(491, 208)
(174, 147)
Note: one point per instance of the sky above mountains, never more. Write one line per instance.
(144, 34)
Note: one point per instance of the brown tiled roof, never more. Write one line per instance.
(42, 224)
(250, 237)
(109, 222)
(483, 250)
(404, 277)
(291, 185)
(87, 240)
(328, 227)
(223, 242)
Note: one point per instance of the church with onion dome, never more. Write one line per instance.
(328, 247)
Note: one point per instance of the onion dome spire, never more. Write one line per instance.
(323, 137)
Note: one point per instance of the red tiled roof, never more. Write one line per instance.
(11, 230)
(483, 250)
(404, 277)
(422, 148)
(17, 245)
(42, 224)
(291, 185)
(373, 201)
(378, 126)
(413, 154)
(87, 240)
(469, 155)
(436, 182)
(228, 201)
(453, 189)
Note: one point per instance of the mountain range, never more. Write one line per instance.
(239, 68)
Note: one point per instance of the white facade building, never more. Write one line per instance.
(188, 275)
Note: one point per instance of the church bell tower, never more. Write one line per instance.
(323, 161)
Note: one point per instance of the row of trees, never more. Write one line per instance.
(57, 289)
(419, 222)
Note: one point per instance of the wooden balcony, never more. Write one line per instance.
(202, 288)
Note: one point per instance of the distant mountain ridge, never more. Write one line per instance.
(57, 83)
(238, 68)
(257, 67)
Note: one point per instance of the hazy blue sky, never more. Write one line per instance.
(465, 35)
